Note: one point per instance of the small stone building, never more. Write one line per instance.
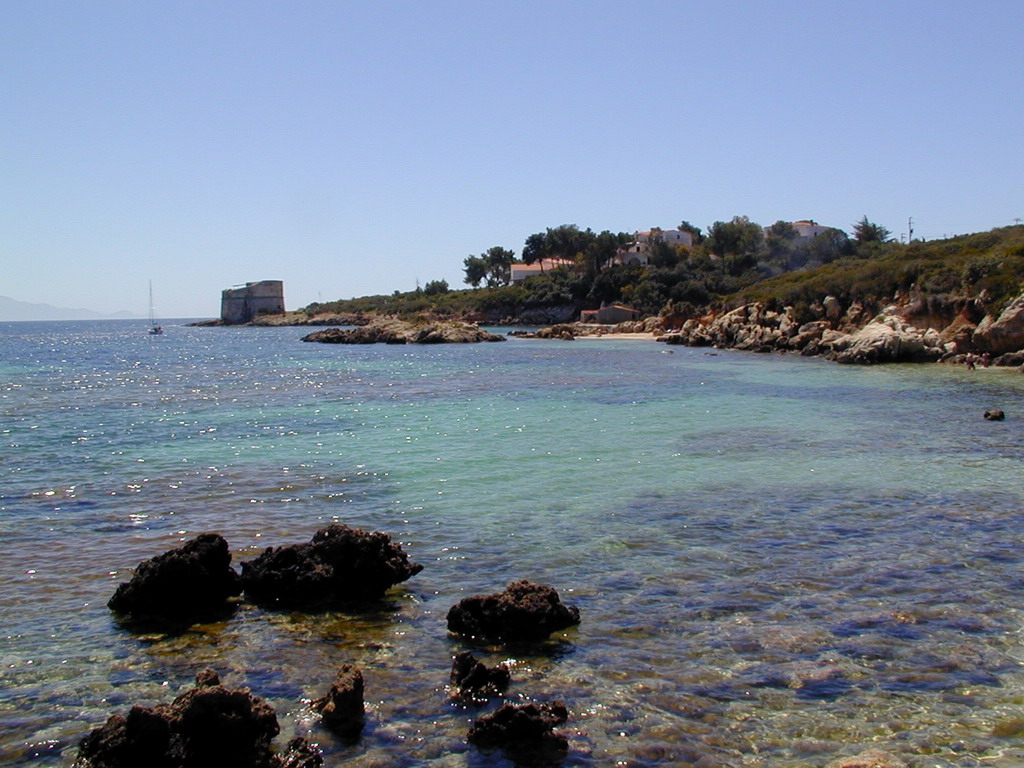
(241, 304)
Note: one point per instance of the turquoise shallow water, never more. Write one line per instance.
(777, 560)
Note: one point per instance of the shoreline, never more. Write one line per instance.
(886, 338)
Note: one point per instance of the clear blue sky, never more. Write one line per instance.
(355, 148)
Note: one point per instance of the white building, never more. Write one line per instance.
(640, 251)
(806, 229)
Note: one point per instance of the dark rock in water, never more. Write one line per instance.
(218, 726)
(524, 611)
(342, 708)
(474, 680)
(207, 726)
(143, 737)
(192, 580)
(340, 565)
(994, 414)
(525, 732)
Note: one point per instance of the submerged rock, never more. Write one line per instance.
(342, 708)
(872, 758)
(524, 611)
(301, 754)
(340, 565)
(994, 414)
(191, 580)
(209, 725)
(525, 732)
(473, 680)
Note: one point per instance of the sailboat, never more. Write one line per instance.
(154, 329)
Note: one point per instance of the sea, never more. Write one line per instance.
(778, 561)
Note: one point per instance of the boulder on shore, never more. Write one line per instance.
(886, 340)
(206, 726)
(340, 565)
(523, 612)
(525, 732)
(341, 708)
(393, 330)
(193, 580)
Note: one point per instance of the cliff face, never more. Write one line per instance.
(914, 328)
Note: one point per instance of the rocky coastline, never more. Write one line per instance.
(913, 329)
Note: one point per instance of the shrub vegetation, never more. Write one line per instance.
(732, 266)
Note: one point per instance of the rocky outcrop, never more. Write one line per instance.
(392, 330)
(339, 565)
(994, 414)
(190, 581)
(523, 612)
(1004, 333)
(209, 725)
(915, 329)
(341, 708)
(472, 679)
(563, 332)
(524, 732)
(885, 340)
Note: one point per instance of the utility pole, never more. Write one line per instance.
(910, 229)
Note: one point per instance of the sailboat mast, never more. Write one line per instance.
(153, 327)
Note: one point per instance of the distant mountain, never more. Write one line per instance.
(11, 309)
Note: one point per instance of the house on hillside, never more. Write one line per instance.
(610, 314)
(806, 229)
(643, 247)
(520, 272)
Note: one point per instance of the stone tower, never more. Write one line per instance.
(240, 305)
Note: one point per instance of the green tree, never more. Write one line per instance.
(435, 287)
(588, 250)
(781, 240)
(737, 237)
(695, 232)
(493, 267)
(865, 231)
(536, 248)
(499, 265)
(600, 250)
(475, 268)
(661, 253)
(829, 245)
